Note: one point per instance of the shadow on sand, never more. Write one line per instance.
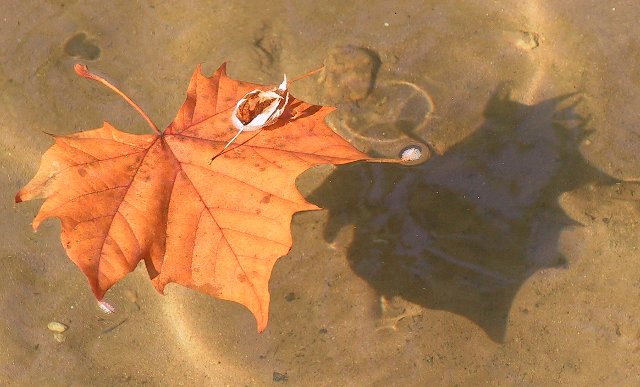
(463, 231)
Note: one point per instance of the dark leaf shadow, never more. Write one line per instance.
(463, 231)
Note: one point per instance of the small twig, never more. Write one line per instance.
(306, 75)
(223, 151)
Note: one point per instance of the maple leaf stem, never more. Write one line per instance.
(83, 71)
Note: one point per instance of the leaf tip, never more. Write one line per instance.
(159, 283)
(222, 69)
(37, 221)
(262, 323)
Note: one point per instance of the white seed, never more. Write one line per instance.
(411, 153)
(59, 337)
(57, 327)
(106, 307)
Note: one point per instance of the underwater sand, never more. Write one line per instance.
(507, 255)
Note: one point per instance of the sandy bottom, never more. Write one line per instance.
(507, 255)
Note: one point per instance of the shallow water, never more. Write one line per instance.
(506, 255)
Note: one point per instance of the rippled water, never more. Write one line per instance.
(506, 254)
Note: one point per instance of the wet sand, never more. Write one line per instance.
(508, 255)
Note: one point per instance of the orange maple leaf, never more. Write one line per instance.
(215, 227)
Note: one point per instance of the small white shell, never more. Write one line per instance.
(411, 153)
(58, 327)
(59, 337)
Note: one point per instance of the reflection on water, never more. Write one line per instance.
(463, 231)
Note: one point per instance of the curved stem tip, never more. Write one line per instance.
(83, 71)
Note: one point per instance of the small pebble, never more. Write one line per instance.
(349, 73)
(279, 377)
(59, 337)
(527, 40)
(57, 327)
